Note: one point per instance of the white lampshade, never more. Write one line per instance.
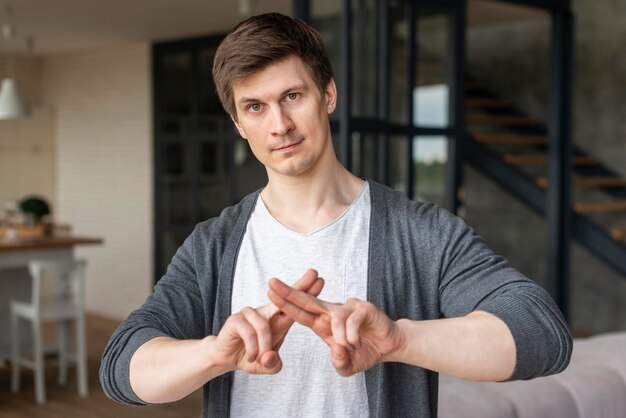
(12, 103)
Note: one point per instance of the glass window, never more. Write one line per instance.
(250, 173)
(364, 155)
(212, 118)
(175, 183)
(433, 62)
(175, 99)
(326, 19)
(173, 159)
(399, 163)
(430, 157)
(364, 75)
(176, 202)
(398, 64)
(170, 242)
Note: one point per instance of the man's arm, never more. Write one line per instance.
(165, 369)
(175, 309)
(473, 278)
(478, 346)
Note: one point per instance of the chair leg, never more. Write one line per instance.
(40, 387)
(15, 353)
(81, 356)
(63, 334)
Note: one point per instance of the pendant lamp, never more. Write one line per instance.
(12, 103)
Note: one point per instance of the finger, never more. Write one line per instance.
(309, 283)
(292, 311)
(301, 299)
(340, 359)
(338, 327)
(261, 327)
(246, 332)
(281, 321)
(279, 342)
(353, 325)
(271, 362)
(317, 287)
(305, 282)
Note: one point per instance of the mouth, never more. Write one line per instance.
(289, 147)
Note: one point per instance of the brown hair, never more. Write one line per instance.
(262, 40)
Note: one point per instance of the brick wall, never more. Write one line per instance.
(27, 144)
(27, 158)
(27, 71)
(102, 101)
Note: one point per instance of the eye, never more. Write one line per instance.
(292, 96)
(254, 107)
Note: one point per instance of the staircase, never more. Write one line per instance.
(511, 148)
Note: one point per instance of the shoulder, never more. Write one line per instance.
(230, 219)
(210, 238)
(394, 207)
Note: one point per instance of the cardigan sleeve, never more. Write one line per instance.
(174, 310)
(473, 278)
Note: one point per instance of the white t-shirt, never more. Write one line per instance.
(307, 385)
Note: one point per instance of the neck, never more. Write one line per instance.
(310, 201)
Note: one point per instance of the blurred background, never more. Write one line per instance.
(508, 113)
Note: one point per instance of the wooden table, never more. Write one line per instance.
(15, 281)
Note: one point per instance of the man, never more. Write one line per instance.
(408, 291)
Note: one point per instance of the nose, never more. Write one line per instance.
(281, 122)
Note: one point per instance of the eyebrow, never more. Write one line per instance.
(298, 86)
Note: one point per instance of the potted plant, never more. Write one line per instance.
(35, 207)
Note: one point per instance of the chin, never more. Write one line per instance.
(293, 169)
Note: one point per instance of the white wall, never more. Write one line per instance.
(27, 71)
(27, 146)
(102, 101)
(27, 158)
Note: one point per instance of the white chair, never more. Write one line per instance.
(58, 294)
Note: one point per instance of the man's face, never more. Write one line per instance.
(284, 117)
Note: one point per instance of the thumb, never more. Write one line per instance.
(271, 362)
(340, 359)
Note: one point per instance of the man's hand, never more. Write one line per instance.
(251, 338)
(359, 335)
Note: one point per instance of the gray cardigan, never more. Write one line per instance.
(424, 263)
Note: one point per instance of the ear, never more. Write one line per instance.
(330, 94)
(239, 128)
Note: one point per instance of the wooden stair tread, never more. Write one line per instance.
(511, 139)
(500, 120)
(590, 182)
(542, 159)
(618, 232)
(594, 207)
(489, 102)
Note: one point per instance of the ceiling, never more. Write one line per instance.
(71, 25)
(60, 26)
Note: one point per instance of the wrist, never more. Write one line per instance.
(399, 352)
(214, 363)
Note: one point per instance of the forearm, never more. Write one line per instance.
(166, 370)
(478, 346)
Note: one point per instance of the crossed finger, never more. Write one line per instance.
(300, 306)
(281, 322)
(337, 324)
(309, 283)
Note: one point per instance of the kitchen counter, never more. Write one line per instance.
(45, 243)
